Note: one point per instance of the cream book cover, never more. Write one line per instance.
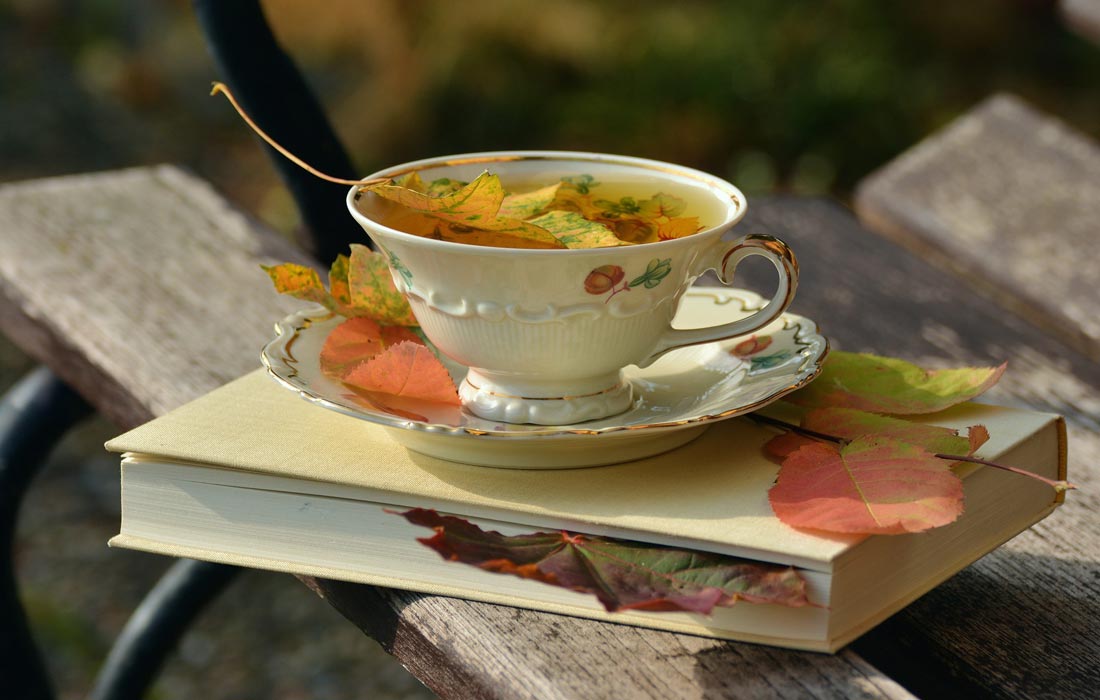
(252, 474)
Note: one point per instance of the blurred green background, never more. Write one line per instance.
(803, 97)
(795, 96)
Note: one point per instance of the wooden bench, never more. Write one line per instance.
(142, 289)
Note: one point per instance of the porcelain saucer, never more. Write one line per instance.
(677, 397)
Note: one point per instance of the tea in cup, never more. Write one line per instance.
(545, 332)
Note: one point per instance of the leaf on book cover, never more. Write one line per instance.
(372, 289)
(406, 369)
(873, 485)
(623, 575)
(889, 385)
(357, 340)
(474, 206)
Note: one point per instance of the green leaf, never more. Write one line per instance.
(622, 575)
(888, 385)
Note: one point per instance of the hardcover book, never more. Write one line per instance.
(252, 475)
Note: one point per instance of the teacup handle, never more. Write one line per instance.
(777, 252)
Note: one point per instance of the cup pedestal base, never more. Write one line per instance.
(510, 403)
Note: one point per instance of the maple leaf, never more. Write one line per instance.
(889, 385)
(474, 206)
(359, 339)
(406, 369)
(623, 575)
(872, 485)
(372, 290)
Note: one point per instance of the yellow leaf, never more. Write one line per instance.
(575, 231)
(300, 282)
(372, 290)
(528, 204)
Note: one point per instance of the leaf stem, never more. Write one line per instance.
(1058, 486)
(775, 422)
(223, 89)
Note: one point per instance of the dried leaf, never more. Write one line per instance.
(406, 369)
(622, 575)
(889, 385)
(300, 282)
(338, 283)
(870, 486)
(372, 289)
(528, 204)
(359, 339)
(474, 206)
(575, 231)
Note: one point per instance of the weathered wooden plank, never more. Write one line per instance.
(142, 288)
(1083, 16)
(1024, 620)
(1010, 198)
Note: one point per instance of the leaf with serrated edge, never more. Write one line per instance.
(406, 369)
(357, 340)
(372, 289)
(870, 486)
(621, 574)
(893, 386)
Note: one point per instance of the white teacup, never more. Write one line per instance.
(546, 333)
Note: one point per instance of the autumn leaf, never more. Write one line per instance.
(300, 282)
(575, 231)
(475, 206)
(528, 204)
(623, 575)
(406, 369)
(678, 227)
(893, 386)
(872, 485)
(338, 282)
(359, 339)
(371, 288)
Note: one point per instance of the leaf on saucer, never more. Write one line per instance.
(872, 485)
(357, 340)
(575, 231)
(623, 575)
(338, 283)
(893, 386)
(372, 290)
(474, 206)
(298, 281)
(406, 369)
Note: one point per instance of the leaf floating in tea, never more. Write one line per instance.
(575, 231)
(527, 205)
(475, 206)
(623, 575)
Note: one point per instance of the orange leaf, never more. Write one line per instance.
(298, 281)
(405, 369)
(782, 446)
(870, 486)
(357, 340)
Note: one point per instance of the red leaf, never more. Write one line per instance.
(870, 486)
(359, 339)
(782, 446)
(405, 369)
(622, 575)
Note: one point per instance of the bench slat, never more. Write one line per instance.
(142, 288)
(1022, 621)
(1010, 198)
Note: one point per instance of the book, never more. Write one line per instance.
(252, 475)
